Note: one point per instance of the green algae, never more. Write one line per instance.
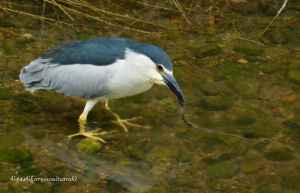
(222, 169)
(11, 139)
(249, 50)
(88, 146)
(278, 154)
(208, 50)
(5, 94)
(15, 155)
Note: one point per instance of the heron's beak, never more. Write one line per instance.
(170, 81)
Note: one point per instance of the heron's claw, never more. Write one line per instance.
(83, 131)
(123, 122)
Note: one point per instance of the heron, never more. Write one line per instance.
(100, 69)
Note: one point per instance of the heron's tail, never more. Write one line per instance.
(32, 75)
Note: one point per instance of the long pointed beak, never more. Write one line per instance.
(170, 81)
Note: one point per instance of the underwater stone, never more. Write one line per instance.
(278, 154)
(5, 94)
(88, 146)
(291, 124)
(39, 188)
(251, 167)
(208, 50)
(290, 181)
(228, 140)
(140, 150)
(269, 68)
(213, 87)
(183, 181)
(280, 35)
(26, 98)
(222, 169)
(11, 139)
(246, 88)
(249, 50)
(57, 104)
(184, 157)
(245, 121)
(260, 132)
(215, 103)
(279, 53)
(294, 75)
(6, 23)
(194, 44)
(226, 156)
(15, 155)
(6, 175)
(259, 146)
(296, 37)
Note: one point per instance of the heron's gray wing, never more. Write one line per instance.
(84, 81)
(96, 51)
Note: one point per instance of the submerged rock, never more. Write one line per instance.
(216, 103)
(294, 75)
(269, 68)
(246, 88)
(251, 167)
(280, 35)
(6, 175)
(228, 140)
(183, 181)
(15, 155)
(222, 169)
(260, 132)
(213, 87)
(57, 104)
(11, 139)
(293, 124)
(184, 157)
(296, 37)
(249, 50)
(259, 146)
(88, 146)
(290, 181)
(208, 50)
(278, 154)
(5, 94)
(245, 120)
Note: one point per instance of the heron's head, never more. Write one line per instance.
(168, 79)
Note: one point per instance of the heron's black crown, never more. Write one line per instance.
(104, 51)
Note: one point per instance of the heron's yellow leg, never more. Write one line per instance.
(83, 128)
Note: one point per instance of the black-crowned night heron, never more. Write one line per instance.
(100, 69)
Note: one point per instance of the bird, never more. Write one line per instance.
(100, 69)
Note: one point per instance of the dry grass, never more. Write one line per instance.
(92, 11)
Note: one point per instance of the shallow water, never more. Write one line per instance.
(234, 81)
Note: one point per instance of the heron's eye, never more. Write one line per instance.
(159, 67)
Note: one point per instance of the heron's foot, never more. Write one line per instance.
(83, 131)
(124, 122)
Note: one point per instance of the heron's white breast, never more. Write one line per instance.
(132, 75)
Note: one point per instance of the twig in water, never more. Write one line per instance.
(280, 10)
(180, 9)
(190, 124)
(54, 2)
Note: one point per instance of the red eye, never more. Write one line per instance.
(159, 67)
